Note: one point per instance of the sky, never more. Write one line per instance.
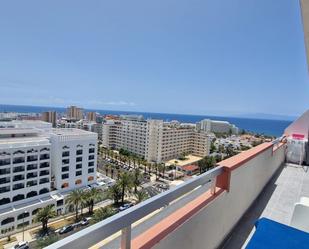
(209, 57)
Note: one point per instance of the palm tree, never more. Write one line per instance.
(125, 182)
(75, 199)
(102, 213)
(141, 196)
(92, 196)
(114, 193)
(44, 214)
(136, 179)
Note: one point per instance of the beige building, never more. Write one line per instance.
(74, 113)
(154, 140)
(50, 117)
(91, 116)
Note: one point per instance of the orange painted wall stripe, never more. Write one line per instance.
(160, 230)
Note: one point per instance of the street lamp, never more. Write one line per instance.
(24, 225)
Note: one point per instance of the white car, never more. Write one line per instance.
(21, 245)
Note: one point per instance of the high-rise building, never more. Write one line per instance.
(75, 113)
(38, 165)
(217, 126)
(154, 140)
(50, 117)
(91, 116)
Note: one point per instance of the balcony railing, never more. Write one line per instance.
(123, 221)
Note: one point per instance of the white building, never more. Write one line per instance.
(74, 158)
(217, 126)
(39, 167)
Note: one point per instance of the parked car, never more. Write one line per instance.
(126, 206)
(66, 229)
(85, 221)
(21, 245)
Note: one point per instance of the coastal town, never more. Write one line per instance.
(100, 163)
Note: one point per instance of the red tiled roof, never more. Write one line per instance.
(189, 167)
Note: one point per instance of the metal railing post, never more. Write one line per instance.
(126, 238)
(213, 186)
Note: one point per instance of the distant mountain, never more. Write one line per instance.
(267, 116)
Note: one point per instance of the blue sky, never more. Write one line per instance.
(176, 56)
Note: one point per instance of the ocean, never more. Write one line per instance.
(261, 126)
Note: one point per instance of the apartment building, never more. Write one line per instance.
(75, 113)
(50, 117)
(74, 158)
(92, 116)
(154, 140)
(39, 167)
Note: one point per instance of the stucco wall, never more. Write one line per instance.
(209, 227)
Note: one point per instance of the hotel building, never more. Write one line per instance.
(154, 140)
(38, 167)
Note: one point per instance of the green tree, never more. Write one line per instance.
(136, 179)
(44, 214)
(102, 213)
(74, 199)
(141, 196)
(125, 182)
(93, 195)
(114, 193)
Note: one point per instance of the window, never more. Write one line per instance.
(65, 153)
(32, 183)
(65, 169)
(5, 171)
(90, 164)
(44, 165)
(23, 215)
(79, 159)
(91, 170)
(90, 178)
(5, 189)
(79, 152)
(78, 173)
(78, 181)
(32, 166)
(31, 194)
(5, 180)
(44, 180)
(32, 175)
(18, 197)
(18, 160)
(18, 169)
(65, 185)
(91, 157)
(18, 186)
(44, 173)
(79, 166)
(65, 161)
(65, 176)
(59, 203)
(32, 158)
(91, 150)
(18, 178)
(7, 221)
(44, 191)
(5, 162)
(44, 157)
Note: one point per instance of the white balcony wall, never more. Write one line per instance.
(210, 226)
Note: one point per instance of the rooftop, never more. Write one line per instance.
(71, 132)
